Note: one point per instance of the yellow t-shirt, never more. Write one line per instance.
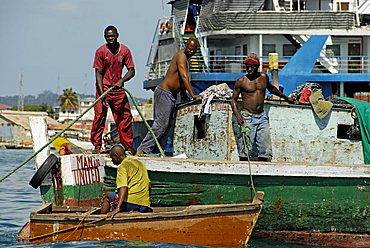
(132, 174)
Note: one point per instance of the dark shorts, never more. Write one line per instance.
(126, 207)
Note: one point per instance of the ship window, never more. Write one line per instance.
(289, 50)
(200, 127)
(342, 6)
(268, 48)
(245, 49)
(332, 50)
(348, 132)
(237, 50)
(299, 5)
(220, 62)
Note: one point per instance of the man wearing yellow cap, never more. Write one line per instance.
(252, 87)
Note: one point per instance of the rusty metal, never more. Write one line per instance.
(57, 185)
(300, 138)
(218, 142)
(317, 239)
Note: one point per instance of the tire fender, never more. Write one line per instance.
(43, 171)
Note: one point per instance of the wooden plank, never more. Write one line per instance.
(40, 137)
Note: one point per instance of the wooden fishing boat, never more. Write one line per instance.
(203, 225)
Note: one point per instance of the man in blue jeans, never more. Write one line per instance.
(252, 87)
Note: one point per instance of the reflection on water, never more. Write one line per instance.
(18, 198)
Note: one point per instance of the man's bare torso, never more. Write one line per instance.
(171, 82)
(253, 93)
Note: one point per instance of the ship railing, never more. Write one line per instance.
(153, 46)
(155, 68)
(234, 64)
(342, 64)
(177, 32)
(348, 64)
(198, 35)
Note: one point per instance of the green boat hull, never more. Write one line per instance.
(292, 203)
(309, 204)
(73, 195)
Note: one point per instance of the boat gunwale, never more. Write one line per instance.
(187, 212)
(274, 102)
(258, 168)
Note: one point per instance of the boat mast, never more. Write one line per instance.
(58, 84)
(20, 96)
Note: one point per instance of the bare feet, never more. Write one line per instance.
(97, 150)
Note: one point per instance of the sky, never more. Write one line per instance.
(50, 39)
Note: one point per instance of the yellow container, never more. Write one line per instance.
(273, 61)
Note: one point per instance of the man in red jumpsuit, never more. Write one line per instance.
(109, 61)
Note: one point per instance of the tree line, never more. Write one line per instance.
(47, 100)
(47, 97)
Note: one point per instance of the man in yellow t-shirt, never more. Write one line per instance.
(132, 185)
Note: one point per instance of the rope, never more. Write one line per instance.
(82, 220)
(56, 136)
(146, 123)
(246, 141)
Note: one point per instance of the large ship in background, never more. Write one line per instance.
(335, 35)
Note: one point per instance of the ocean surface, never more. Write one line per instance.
(18, 198)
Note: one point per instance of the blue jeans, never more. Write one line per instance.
(126, 207)
(259, 136)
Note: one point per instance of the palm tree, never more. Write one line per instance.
(46, 107)
(68, 100)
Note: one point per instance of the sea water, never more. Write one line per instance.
(18, 198)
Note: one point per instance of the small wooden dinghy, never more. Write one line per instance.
(203, 225)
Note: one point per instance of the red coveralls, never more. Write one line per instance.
(112, 66)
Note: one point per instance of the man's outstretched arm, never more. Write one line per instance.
(122, 193)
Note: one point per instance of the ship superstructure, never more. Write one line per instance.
(323, 41)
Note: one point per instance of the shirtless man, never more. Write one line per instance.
(176, 80)
(252, 87)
